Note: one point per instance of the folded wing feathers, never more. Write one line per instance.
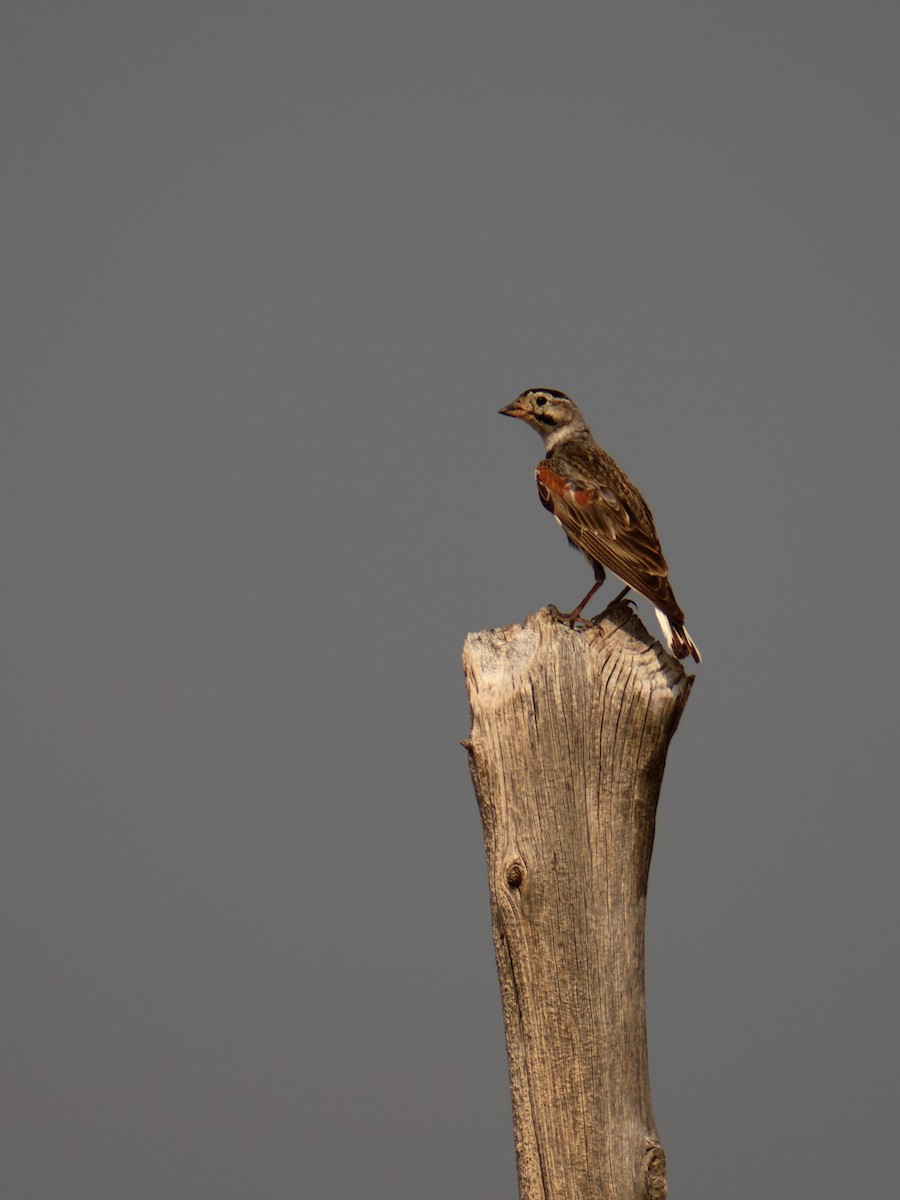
(600, 525)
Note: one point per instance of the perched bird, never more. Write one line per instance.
(602, 512)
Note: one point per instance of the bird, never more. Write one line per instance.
(601, 511)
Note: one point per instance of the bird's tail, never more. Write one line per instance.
(679, 641)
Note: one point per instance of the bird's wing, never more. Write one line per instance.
(601, 523)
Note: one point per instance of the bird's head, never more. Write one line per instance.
(551, 413)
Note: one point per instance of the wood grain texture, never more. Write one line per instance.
(570, 730)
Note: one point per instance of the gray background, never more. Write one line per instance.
(270, 272)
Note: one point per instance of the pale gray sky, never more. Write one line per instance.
(270, 272)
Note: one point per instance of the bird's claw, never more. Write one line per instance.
(570, 619)
(626, 600)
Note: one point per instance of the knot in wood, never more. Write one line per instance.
(515, 872)
(655, 1185)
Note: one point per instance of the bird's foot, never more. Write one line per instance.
(571, 619)
(620, 599)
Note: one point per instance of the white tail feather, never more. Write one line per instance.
(678, 640)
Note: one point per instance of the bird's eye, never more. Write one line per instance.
(541, 401)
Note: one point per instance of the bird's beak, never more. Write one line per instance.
(516, 409)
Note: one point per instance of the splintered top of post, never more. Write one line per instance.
(497, 661)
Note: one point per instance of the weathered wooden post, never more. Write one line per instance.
(570, 730)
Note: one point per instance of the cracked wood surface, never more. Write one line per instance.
(570, 730)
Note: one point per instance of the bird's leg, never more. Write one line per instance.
(612, 604)
(575, 615)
